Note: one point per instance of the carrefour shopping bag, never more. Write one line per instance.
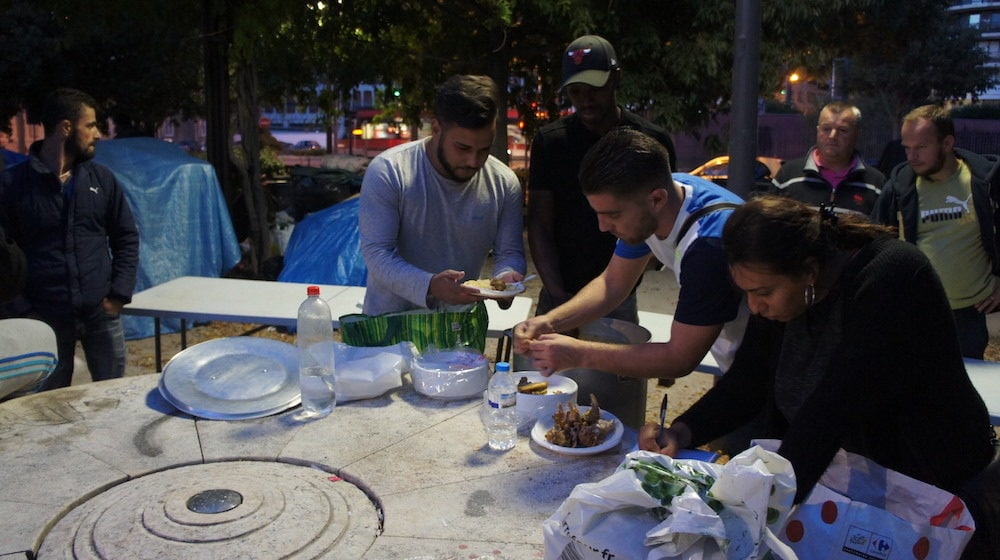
(654, 507)
(860, 509)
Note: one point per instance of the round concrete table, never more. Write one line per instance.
(431, 487)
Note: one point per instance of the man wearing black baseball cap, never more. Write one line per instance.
(589, 60)
(567, 247)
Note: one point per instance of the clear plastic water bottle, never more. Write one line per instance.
(314, 338)
(500, 415)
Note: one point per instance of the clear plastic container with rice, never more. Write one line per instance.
(451, 374)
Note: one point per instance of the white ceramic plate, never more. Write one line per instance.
(546, 423)
(513, 288)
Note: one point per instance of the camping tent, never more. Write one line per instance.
(325, 248)
(9, 158)
(184, 224)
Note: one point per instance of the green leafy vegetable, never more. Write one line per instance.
(665, 485)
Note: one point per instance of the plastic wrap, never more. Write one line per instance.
(459, 373)
(370, 371)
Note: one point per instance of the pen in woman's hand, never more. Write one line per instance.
(663, 411)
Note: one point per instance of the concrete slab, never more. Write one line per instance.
(447, 549)
(358, 429)
(127, 426)
(483, 508)
(435, 488)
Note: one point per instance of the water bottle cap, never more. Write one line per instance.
(503, 366)
(312, 291)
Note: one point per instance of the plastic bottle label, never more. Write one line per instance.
(506, 400)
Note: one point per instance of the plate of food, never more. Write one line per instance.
(493, 287)
(578, 430)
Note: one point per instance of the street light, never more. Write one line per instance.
(793, 79)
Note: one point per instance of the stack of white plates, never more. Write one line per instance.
(233, 378)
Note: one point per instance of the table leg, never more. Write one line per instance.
(505, 346)
(157, 353)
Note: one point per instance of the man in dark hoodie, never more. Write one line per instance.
(942, 200)
(70, 218)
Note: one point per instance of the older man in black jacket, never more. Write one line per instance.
(833, 171)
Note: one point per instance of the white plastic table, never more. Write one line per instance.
(195, 298)
(986, 378)
(658, 325)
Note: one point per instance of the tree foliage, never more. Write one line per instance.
(141, 66)
(901, 53)
(29, 56)
(145, 61)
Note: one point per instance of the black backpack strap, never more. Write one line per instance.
(700, 213)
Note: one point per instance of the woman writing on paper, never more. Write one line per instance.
(852, 345)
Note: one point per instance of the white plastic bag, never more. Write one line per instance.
(701, 511)
(860, 509)
(281, 232)
(370, 371)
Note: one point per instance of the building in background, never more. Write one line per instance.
(985, 17)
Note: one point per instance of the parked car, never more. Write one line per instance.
(717, 170)
(307, 146)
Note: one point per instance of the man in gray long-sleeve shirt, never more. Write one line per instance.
(432, 210)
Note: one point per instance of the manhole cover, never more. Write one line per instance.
(243, 509)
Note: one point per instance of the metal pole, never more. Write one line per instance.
(746, 86)
(215, 21)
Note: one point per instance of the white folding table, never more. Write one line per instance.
(985, 377)
(658, 325)
(195, 298)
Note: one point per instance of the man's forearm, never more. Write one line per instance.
(592, 302)
(643, 361)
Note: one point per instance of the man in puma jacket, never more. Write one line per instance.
(944, 200)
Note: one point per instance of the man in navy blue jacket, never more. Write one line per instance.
(69, 216)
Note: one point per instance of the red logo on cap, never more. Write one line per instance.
(578, 55)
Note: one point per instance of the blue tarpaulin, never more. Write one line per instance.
(325, 248)
(9, 158)
(184, 224)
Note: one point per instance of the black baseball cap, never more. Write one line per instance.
(588, 60)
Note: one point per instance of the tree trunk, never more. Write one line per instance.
(499, 72)
(247, 120)
(217, 32)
